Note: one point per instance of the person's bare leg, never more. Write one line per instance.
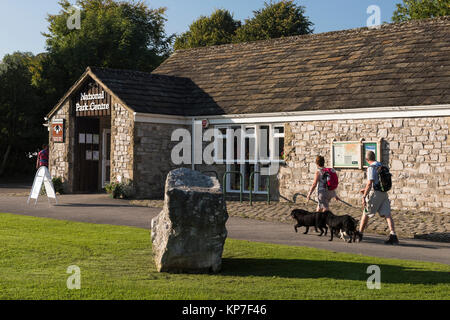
(391, 225)
(363, 223)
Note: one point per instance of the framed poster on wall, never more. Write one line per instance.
(346, 154)
(371, 146)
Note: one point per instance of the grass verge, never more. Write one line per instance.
(116, 263)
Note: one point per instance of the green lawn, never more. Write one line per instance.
(116, 263)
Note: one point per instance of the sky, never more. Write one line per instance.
(23, 21)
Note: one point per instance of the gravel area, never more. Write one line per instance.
(412, 225)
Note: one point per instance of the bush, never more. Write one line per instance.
(57, 184)
(120, 190)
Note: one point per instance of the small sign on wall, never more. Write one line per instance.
(58, 130)
(371, 146)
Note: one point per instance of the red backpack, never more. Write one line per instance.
(330, 178)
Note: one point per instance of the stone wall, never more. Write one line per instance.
(417, 151)
(60, 158)
(122, 133)
(152, 157)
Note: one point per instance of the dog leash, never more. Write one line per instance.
(295, 197)
(346, 203)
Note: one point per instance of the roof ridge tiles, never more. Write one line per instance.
(322, 35)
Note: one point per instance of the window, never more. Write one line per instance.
(247, 149)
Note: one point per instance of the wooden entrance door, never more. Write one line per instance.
(88, 154)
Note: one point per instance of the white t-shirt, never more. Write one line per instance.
(372, 173)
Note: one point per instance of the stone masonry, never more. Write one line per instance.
(122, 127)
(60, 158)
(152, 157)
(416, 150)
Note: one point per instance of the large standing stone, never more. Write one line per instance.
(189, 233)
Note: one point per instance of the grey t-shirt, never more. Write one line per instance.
(372, 173)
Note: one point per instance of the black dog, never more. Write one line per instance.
(345, 224)
(309, 219)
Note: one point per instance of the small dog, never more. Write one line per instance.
(309, 219)
(345, 224)
(343, 235)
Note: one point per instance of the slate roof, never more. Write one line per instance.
(406, 64)
(147, 93)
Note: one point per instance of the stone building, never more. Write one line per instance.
(337, 94)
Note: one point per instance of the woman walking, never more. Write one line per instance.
(326, 182)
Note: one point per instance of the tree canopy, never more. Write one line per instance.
(277, 19)
(114, 34)
(421, 9)
(111, 33)
(219, 28)
(21, 119)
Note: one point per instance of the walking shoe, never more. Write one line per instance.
(395, 239)
(392, 239)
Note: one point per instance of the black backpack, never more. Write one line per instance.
(384, 179)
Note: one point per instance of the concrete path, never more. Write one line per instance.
(103, 210)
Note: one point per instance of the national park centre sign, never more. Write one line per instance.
(90, 105)
(92, 100)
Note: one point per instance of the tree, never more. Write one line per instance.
(219, 28)
(421, 9)
(21, 119)
(115, 34)
(277, 19)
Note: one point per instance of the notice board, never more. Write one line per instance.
(346, 154)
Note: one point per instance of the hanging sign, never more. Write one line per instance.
(42, 178)
(58, 130)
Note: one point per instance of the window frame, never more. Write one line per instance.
(228, 138)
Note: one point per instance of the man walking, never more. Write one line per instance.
(375, 200)
(42, 158)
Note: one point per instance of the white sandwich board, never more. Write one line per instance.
(42, 177)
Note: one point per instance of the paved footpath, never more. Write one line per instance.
(103, 210)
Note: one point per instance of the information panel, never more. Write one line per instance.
(346, 154)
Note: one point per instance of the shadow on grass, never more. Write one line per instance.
(339, 270)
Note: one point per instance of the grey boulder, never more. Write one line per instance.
(189, 234)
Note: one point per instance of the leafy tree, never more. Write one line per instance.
(115, 34)
(21, 118)
(277, 19)
(219, 28)
(421, 9)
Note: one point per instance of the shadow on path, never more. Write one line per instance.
(402, 243)
(88, 205)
